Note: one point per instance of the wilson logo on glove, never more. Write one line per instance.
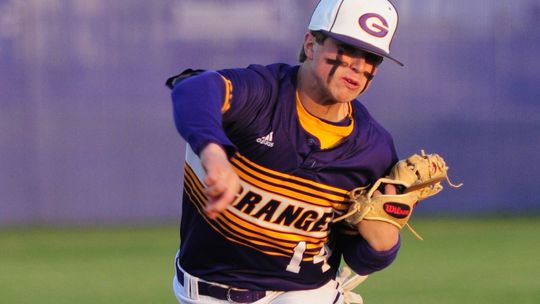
(420, 175)
(397, 210)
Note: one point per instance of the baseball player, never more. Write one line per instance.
(272, 154)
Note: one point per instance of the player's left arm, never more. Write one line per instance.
(381, 236)
(362, 257)
(378, 243)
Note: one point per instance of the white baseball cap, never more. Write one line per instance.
(366, 24)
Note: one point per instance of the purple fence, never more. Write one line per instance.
(86, 131)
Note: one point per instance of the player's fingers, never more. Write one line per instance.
(215, 189)
(390, 189)
(219, 204)
(211, 177)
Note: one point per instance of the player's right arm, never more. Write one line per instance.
(202, 103)
(205, 102)
(197, 103)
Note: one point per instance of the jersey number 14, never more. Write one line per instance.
(322, 256)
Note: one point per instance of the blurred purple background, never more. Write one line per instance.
(86, 130)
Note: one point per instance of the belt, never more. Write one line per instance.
(229, 294)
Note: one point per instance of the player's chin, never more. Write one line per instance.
(347, 94)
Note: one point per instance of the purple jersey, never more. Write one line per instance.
(278, 234)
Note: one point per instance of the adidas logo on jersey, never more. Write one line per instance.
(267, 140)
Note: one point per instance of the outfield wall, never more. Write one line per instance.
(86, 132)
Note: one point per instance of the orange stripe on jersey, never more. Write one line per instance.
(289, 188)
(340, 193)
(288, 236)
(272, 248)
(257, 243)
(191, 173)
(195, 186)
(197, 197)
(238, 230)
(255, 233)
(280, 190)
(226, 230)
(228, 95)
(229, 234)
(286, 240)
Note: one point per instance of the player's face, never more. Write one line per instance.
(342, 70)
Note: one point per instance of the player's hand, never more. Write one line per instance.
(222, 183)
(380, 235)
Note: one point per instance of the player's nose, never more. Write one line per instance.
(358, 64)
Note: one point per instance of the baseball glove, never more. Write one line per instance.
(416, 178)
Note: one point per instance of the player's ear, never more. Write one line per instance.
(309, 43)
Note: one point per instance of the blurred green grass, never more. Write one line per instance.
(492, 261)
(106, 265)
(460, 261)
